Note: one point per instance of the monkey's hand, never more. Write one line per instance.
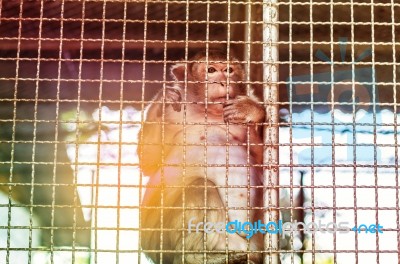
(173, 97)
(243, 109)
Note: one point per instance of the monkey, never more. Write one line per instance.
(200, 144)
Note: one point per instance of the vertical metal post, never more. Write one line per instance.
(271, 130)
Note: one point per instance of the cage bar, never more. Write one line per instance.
(271, 131)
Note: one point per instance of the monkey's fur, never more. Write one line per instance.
(200, 159)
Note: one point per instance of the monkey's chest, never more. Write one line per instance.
(213, 147)
(209, 135)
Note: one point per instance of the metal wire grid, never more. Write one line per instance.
(342, 19)
(384, 57)
(28, 43)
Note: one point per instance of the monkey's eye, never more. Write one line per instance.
(211, 70)
(229, 70)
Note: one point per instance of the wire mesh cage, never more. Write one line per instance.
(113, 151)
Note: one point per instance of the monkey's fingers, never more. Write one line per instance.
(229, 102)
(173, 97)
(241, 103)
(228, 112)
(232, 116)
(238, 107)
(242, 112)
(176, 106)
(252, 111)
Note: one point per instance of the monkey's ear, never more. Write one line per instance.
(178, 71)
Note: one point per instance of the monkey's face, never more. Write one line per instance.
(218, 82)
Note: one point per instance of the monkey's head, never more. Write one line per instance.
(210, 77)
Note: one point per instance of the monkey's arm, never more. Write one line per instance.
(248, 110)
(151, 148)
